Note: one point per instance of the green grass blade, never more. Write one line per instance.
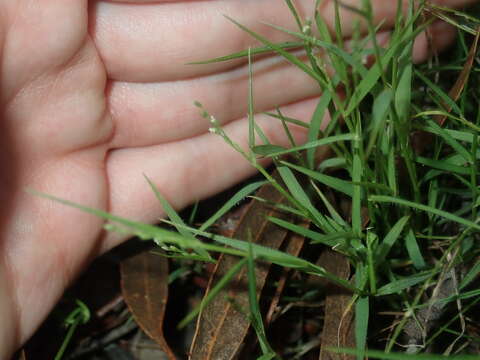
(169, 210)
(255, 314)
(439, 92)
(330, 240)
(234, 200)
(337, 218)
(357, 175)
(335, 49)
(428, 209)
(390, 239)
(434, 128)
(289, 120)
(414, 250)
(294, 12)
(396, 286)
(174, 217)
(290, 57)
(340, 185)
(311, 144)
(315, 125)
(370, 80)
(362, 311)
(253, 51)
(392, 171)
(403, 93)
(381, 106)
(362, 306)
(251, 113)
(444, 165)
(299, 195)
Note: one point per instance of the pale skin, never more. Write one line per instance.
(95, 94)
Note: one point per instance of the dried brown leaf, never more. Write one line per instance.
(222, 326)
(295, 244)
(462, 79)
(338, 322)
(145, 290)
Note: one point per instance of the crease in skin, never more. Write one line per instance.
(154, 109)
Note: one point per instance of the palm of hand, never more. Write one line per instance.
(71, 112)
(69, 130)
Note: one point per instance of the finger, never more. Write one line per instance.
(147, 114)
(188, 170)
(153, 42)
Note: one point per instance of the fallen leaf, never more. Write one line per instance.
(338, 321)
(221, 327)
(295, 244)
(145, 290)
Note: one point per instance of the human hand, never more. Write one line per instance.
(96, 94)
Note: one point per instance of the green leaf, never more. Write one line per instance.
(443, 164)
(330, 240)
(315, 144)
(255, 314)
(403, 93)
(254, 51)
(233, 201)
(434, 128)
(335, 49)
(357, 175)
(397, 286)
(381, 107)
(362, 311)
(361, 323)
(390, 239)
(315, 125)
(330, 181)
(392, 171)
(414, 250)
(428, 209)
(174, 217)
(287, 55)
(298, 193)
(439, 92)
(268, 150)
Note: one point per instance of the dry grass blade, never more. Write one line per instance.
(145, 290)
(421, 139)
(338, 322)
(459, 85)
(223, 324)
